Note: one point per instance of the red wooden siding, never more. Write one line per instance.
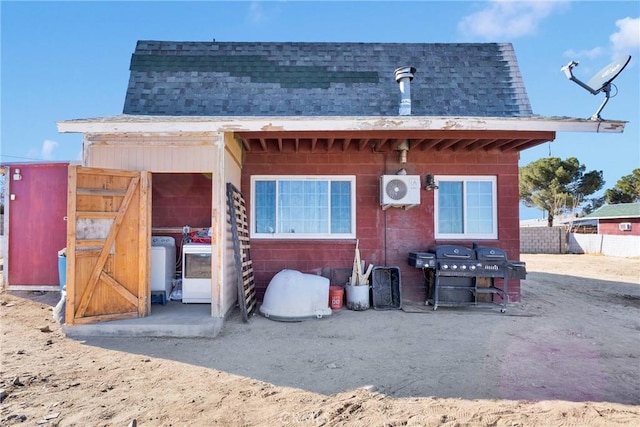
(612, 227)
(37, 226)
(386, 236)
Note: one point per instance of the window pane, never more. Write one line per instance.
(313, 207)
(340, 207)
(303, 207)
(265, 200)
(479, 207)
(450, 207)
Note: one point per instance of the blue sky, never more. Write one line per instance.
(69, 60)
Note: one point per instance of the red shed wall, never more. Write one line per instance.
(37, 226)
(180, 199)
(611, 226)
(386, 236)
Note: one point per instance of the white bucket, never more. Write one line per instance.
(357, 297)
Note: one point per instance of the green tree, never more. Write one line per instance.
(626, 190)
(557, 186)
(592, 204)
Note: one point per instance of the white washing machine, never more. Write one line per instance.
(163, 264)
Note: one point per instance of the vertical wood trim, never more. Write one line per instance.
(218, 227)
(144, 233)
(72, 183)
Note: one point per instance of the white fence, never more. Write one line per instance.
(553, 240)
(604, 244)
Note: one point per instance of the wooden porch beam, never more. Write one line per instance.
(496, 145)
(403, 134)
(431, 143)
(531, 143)
(446, 144)
(480, 143)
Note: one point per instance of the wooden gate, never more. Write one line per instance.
(108, 239)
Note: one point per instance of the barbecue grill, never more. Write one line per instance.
(453, 274)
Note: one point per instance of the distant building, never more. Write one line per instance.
(622, 219)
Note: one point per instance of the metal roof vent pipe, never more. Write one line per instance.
(404, 75)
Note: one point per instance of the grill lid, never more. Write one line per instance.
(487, 253)
(454, 252)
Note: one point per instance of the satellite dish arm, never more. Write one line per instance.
(607, 91)
(569, 73)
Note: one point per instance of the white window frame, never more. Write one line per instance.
(466, 236)
(302, 236)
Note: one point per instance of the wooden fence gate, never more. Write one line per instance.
(108, 239)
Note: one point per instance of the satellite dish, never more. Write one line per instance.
(601, 81)
(605, 76)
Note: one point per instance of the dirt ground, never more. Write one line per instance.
(568, 354)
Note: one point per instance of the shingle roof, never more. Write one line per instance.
(621, 210)
(323, 79)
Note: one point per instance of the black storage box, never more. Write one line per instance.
(422, 259)
(517, 270)
(386, 289)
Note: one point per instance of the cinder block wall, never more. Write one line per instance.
(542, 240)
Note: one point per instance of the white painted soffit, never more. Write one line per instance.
(189, 124)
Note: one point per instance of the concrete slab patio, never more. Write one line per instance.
(174, 319)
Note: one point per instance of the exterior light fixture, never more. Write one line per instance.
(16, 175)
(429, 182)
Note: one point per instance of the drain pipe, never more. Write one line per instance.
(404, 75)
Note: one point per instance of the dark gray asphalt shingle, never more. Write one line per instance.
(323, 79)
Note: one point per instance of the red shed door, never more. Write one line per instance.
(108, 238)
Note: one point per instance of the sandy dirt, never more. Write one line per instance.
(568, 354)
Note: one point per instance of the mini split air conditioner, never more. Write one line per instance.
(399, 190)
